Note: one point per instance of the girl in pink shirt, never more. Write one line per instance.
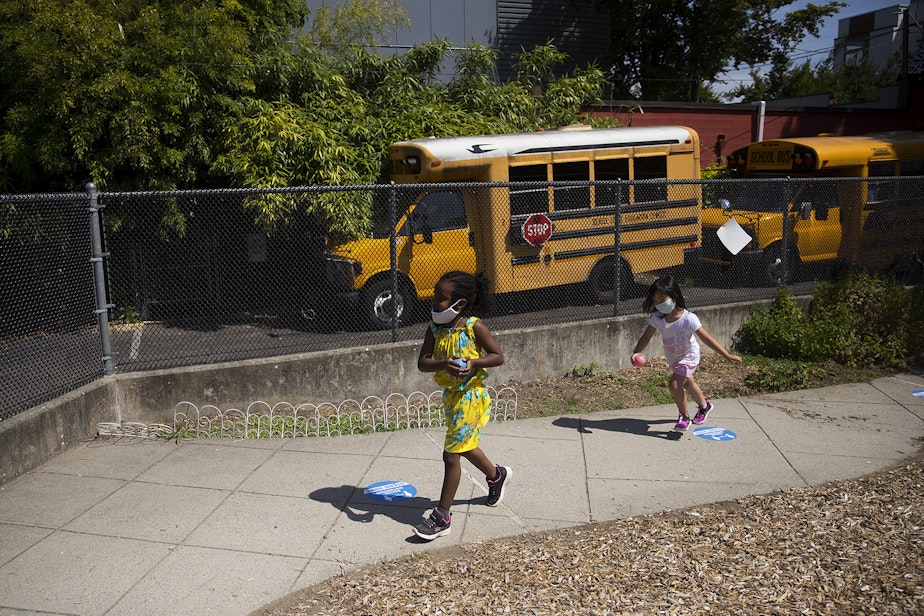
(678, 326)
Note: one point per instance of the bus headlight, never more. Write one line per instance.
(341, 273)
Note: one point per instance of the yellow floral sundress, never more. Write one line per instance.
(466, 402)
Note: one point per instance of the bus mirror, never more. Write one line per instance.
(725, 204)
(427, 234)
(805, 210)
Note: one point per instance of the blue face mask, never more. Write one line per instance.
(666, 307)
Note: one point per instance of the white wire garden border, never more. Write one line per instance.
(260, 419)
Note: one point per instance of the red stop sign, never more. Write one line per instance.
(537, 229)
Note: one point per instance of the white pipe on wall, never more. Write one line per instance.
(761, 114)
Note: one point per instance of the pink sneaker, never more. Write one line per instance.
(702, 413)
(683, 424)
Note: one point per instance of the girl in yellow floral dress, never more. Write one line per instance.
(458, 347)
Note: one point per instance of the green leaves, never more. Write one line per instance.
(856, 320)
(125, 94)
(666, 50)
(351, 25)
(163, 95)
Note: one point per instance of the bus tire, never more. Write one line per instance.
(379, 303)
(771, 268)
(600, 280)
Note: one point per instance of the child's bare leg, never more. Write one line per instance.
(481, 462)
(676, 385)
(452, 474)
(695, 392)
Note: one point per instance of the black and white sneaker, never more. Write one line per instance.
(434, 526)
(498, 485)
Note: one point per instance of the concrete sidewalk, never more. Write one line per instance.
(147, 527)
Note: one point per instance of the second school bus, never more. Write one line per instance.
(827, 219)
(551, 222)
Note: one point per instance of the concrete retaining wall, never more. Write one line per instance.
(37, 435)
(31, 438)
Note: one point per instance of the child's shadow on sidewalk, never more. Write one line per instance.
(629, 425)
(360, 508)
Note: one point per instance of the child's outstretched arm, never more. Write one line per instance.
(715, 346)
(644, 340)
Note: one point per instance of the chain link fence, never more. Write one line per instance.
(194, 277)
(49, 335)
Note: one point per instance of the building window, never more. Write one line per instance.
(855, 52)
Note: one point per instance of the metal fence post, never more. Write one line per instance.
(99, 279)
(784, 249)
(393, 247)
(617, 282)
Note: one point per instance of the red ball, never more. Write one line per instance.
(638, 359)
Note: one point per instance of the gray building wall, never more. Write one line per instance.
(461, 22)
(507, 25)
(878, 35)
(573, 27)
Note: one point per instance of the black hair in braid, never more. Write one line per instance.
(475, 289)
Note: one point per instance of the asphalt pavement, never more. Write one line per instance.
(132, 526)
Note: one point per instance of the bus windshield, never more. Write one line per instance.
(381, 222)
(756, 196)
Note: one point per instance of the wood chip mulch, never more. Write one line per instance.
(850, 547)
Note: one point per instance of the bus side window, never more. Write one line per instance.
(651, 168)
(882, 190)
(571, 197)
(880, 197)
(440, 211)
(531, 199)
(911, 166)
(609, 170)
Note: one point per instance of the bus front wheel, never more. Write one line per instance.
(380, 303)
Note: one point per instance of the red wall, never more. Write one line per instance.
(739, 122)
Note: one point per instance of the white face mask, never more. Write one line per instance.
(446, 316)
(665, 307)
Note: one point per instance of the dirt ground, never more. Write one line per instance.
(587, 389)
(850, 547)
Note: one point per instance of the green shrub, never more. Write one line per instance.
(777, 331)
(583, 370)
(715, 171)
(855, 320)
(916, 336)
(861, 319)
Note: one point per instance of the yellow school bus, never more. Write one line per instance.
(876, 224)
(529, 210)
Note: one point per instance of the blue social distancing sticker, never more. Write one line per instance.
(918, 393)
(714, 434)
(390, 491)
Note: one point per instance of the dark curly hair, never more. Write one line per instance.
(475, 289)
